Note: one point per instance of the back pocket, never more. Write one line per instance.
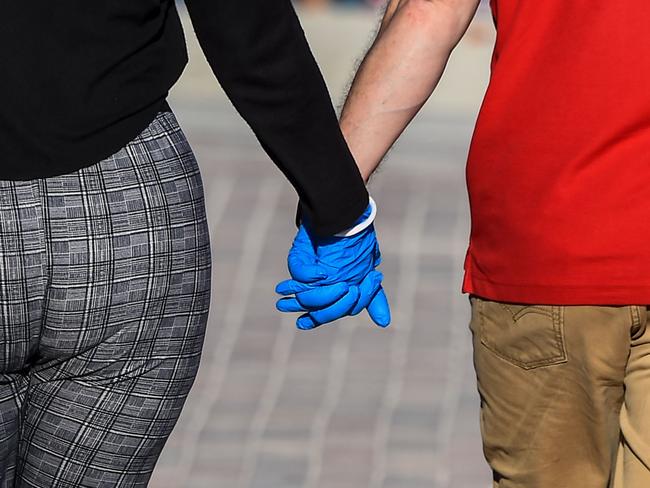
(528, 336)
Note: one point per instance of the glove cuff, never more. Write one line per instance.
(364, 224)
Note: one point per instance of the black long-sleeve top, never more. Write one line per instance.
(79, 79)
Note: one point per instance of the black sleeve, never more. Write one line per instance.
(258, 52)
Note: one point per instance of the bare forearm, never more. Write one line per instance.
(399, 73)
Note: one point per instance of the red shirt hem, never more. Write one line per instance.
(556, 295)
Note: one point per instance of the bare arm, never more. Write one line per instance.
(399, 73)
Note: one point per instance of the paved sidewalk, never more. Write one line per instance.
(347, 405)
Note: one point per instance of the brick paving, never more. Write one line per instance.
(347, 405)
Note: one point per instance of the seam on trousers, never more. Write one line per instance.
(634, 313)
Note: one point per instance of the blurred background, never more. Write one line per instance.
(347, 405)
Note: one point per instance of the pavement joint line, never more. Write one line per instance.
(254, 240)
(218, 200)
(269, 398)
(452, 389)
(411, 238)
(338, 363)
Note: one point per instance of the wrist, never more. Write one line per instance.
(363, 222)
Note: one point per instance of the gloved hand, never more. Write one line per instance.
(335, 276)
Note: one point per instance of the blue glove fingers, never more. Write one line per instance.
(379, 310)
(305, 322)
(335, 311)
(367, 290)
(311, 296)
(289, 287)
(289, 305)
(322, 296)
(303, 267)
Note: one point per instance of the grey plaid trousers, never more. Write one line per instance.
(104, 298)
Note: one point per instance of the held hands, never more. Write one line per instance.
(333, 277)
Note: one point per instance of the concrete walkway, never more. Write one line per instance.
(347, 405)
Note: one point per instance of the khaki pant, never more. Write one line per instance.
(565, 394)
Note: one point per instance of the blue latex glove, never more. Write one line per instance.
(334, 277)
(327, 303)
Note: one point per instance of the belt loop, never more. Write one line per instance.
(639, 320)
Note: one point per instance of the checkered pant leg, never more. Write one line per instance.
(23, 279)
(104, 299)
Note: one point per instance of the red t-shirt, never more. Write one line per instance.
(558, 172)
